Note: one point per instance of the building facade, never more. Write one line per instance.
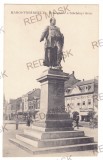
(34, 101)
(80, 98)
(19, 108)
(25, 103)
(30, 102)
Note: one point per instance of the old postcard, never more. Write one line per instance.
(51, 62)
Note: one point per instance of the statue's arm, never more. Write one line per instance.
(44, 34)
(62, 37)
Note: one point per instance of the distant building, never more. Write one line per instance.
(4, 107)
(11, 109)
(25, 102)
(34, 100)
(31, 101)
(19, 108)
(13, 106)
(8, 112)
(80, 97)
(71, 81)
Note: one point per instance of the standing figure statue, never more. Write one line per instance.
(54, 41)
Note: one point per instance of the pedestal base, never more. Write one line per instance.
(55, 132)
(39, 142)
(52, 102)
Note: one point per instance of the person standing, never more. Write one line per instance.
(28, 120)
(17, 122)
(77, 121)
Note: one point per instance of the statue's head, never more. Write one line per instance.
(52, 21)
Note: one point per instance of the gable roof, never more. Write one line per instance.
(81, 86)
(71, 81)
(81, 83)
(75, 89)
(34, 94)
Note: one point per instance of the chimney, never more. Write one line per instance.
(73, 72)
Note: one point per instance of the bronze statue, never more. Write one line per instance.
(54, 41)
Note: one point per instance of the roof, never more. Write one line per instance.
(35, 94)
(71, 81)
(81, 83)
(81, 86)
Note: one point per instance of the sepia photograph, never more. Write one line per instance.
(51, 74)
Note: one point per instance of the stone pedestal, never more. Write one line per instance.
(52, 101)
(54, 133)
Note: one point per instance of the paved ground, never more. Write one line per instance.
(10, 150)
(13, 122)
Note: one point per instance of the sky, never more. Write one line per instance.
(80, 27)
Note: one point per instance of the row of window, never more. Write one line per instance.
(83, 103)
(32, 107)
(26, 100)
(83, 88)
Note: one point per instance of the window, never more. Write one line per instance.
(83, 102)
(78, 104)
(82, 88)
(89, 87)
(68, 90)
(86, 88)
(89, 101)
